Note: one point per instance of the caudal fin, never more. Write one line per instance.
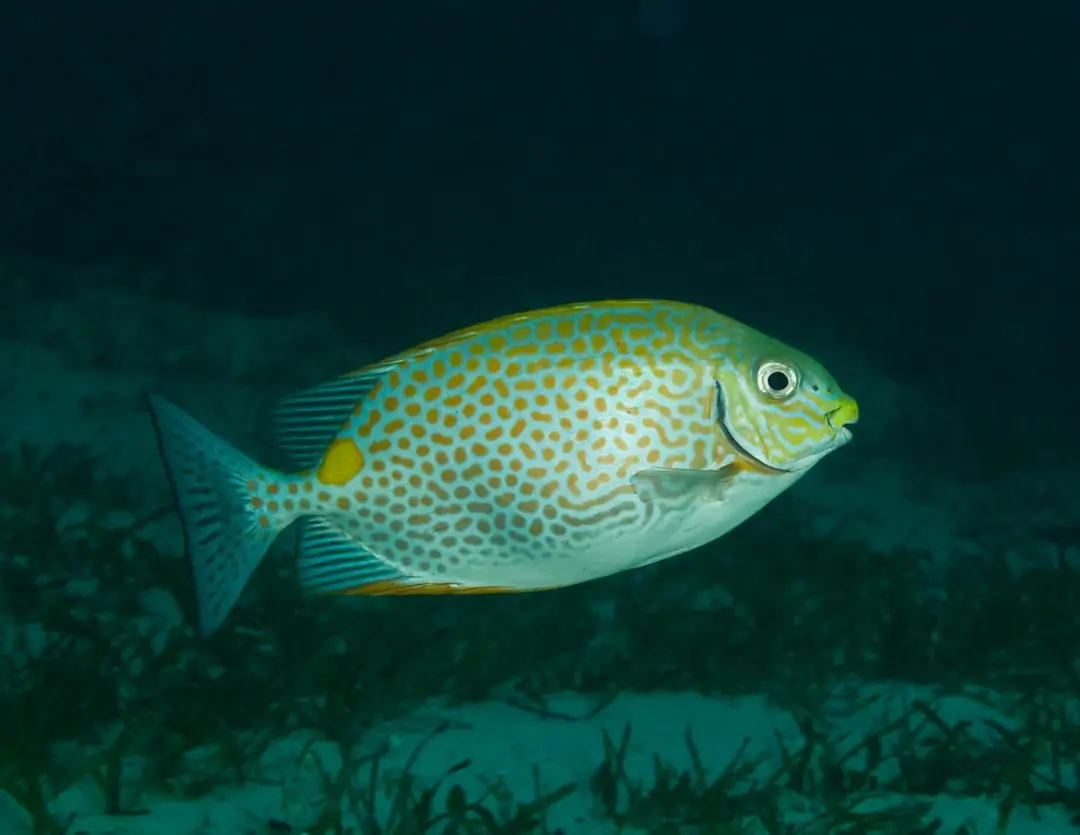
(225, 535)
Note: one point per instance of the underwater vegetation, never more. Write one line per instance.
(97, 685)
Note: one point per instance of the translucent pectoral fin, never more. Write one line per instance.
(667, 485)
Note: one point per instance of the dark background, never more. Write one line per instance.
(904, 175)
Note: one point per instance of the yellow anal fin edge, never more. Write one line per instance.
(387, 587)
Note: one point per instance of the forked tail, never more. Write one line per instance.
(213, 483)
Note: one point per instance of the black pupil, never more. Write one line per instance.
(777, 381)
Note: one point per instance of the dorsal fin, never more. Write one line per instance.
(304, 424)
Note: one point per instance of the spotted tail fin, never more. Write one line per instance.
(225, 533)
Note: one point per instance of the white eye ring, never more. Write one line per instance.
(777, 380)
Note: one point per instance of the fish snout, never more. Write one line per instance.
(845, 414)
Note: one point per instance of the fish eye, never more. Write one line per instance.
(777, 380)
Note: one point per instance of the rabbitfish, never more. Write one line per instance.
(531, 452)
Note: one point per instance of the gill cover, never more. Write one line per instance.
(784, 411)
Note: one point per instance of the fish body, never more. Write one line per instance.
(531, 452)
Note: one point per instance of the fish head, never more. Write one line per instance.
(777, 406)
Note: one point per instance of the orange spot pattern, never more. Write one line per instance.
(495, 450)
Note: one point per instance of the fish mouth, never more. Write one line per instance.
(845, 414)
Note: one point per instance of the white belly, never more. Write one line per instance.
(659, 536)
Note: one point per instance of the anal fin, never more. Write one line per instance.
(331, 562)
(388, 587)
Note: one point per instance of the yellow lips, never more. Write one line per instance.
(846, 413)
